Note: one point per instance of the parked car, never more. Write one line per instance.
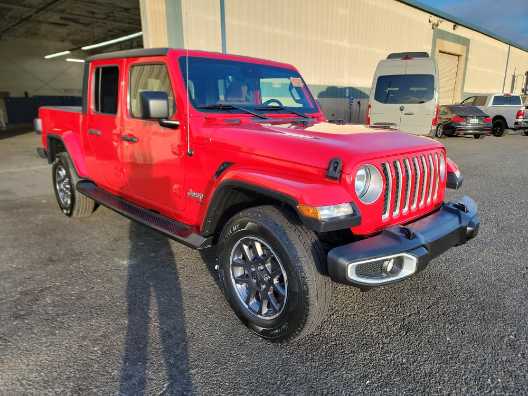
(502, 108)
(457, 120)
(404, 93)
(232, 152)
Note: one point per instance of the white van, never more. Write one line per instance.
(404, 93)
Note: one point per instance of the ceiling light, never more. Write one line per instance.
(74, 60)
(55, 55)
(117, 40)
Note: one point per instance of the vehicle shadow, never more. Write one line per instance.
(154, 287)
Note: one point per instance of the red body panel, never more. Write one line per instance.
(157, 173)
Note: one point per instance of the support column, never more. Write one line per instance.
(162, 23)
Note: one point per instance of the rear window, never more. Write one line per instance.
(405, 88)
(507, 101)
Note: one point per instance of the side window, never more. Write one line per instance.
(151, 77)
(105, 89)
(500, 101)
(480, 101)
(469, 101)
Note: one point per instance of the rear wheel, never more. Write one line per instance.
(271, 272)
(525, 132)
(71, 202)
(499, 127)
(478, 136)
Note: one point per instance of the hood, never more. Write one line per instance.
(317, 144)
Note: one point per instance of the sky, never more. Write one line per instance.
(506, 18)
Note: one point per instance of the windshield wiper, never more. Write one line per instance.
(228, 106)
(282, 108)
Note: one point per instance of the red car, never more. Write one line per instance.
(234, 153)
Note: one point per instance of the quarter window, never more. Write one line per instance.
(153, 77)
(106, 84)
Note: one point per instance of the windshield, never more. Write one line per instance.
(216, 83)
(405, 88)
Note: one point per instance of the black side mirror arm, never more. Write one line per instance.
(171, 124)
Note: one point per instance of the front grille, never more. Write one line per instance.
(411, 184)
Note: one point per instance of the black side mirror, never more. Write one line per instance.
(154, 105)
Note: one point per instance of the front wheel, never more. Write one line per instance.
(525, 132)
(439, 132)
(271, 270)
(71, 202)
(478, 136)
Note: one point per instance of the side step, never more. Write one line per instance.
(173, 229)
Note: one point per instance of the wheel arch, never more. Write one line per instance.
(232, 196)
(67, 143)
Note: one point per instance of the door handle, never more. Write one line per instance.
(94, 132)
(129, 138)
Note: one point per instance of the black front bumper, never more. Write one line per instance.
(451, 225)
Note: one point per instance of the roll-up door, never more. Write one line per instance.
(448, 70)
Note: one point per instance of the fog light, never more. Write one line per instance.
(383, 270)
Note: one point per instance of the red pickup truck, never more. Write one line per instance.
(234, 153)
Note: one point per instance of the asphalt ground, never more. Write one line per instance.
(102, 305)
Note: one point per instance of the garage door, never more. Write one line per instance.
(447, 69)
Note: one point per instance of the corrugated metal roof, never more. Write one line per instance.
(461, 22)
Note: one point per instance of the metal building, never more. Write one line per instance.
(337, 44)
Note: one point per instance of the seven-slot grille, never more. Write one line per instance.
(412, 183)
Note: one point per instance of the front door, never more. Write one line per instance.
(153, 155)
(103, 125)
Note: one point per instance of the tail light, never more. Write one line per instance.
(487, 120)
(458, 119)
(520, 114)
(435, 118)
(368, 114)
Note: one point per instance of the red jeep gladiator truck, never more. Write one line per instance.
(233, 153)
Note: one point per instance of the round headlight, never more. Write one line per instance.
(368, 184)
(442, 167)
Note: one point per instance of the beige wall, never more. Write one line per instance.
(23, 68)
(340, 42)
(332, 42)
(518, 64)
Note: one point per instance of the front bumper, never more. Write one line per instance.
(399, 252)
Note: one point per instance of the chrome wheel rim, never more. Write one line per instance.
(63, 187)
(258, 277)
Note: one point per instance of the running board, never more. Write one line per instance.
(173, 229)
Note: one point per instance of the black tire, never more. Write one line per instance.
(525, 132)
(478, 136)
(77, 205)
(308, 290)
(499, 127)
(439, 132)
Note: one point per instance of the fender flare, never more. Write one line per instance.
(71, 143)
(279, 191)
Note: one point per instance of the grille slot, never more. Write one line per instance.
(388, 190)
(410, 183)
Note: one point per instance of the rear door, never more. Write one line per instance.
(420, 98)
(153, 155)
(102, 124)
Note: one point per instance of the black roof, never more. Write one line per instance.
(134, 53)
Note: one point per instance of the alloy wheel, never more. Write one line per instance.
(258, 277)
(63, 187)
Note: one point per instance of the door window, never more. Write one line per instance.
(404, 88)
(106, 84)
(151, 77)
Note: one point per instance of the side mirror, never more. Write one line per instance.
(154, 105)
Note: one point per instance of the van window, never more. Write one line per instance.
(106, 83)
(149, 77)
(405, 88)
